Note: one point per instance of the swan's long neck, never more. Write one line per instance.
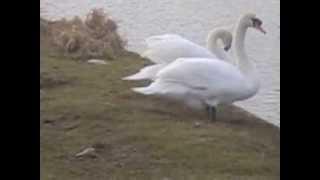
(246, 66)
(212, 45)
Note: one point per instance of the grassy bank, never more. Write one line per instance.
(137, 137)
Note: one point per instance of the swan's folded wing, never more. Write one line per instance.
(201, 74)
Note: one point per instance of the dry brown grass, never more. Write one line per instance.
(94, 37)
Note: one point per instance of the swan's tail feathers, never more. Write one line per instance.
(153, 56)
(138, 76)
(149, 54)
(143, 90)
(148, 72)
(169, 89)
(146, 53)
(132, 77)
(154, 88)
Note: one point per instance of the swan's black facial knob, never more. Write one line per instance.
(256, 23)
(226, 48)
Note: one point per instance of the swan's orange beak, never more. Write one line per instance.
(259, 28)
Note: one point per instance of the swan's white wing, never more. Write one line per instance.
(201, 74)
(167, 48)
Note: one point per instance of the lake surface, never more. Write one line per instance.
(193, 19)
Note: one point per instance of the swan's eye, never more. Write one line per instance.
(256, 22)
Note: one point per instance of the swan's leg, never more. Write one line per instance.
(212, 113)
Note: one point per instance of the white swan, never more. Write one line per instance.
(167, 48)
(164, 49)
(208, 82)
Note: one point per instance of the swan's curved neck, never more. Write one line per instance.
(243, 62)
(246, 66)
(212, 45)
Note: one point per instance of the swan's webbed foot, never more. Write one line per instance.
(212, 113)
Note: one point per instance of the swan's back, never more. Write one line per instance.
(167, 48)
(152, 40)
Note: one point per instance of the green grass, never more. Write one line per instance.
(141, 137)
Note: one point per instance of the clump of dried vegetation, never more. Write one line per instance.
(95, 36)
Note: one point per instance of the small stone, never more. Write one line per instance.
(99, 147)
(86, 151)
(197, 124)
(48, 121)
(123, 155)
(119, 164)
(109, 104)
(97, 61)
(41, 93)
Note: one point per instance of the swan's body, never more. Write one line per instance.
(208, 81)
(164, 49)
(200, 81)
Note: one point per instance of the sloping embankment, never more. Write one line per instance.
(139, 137)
